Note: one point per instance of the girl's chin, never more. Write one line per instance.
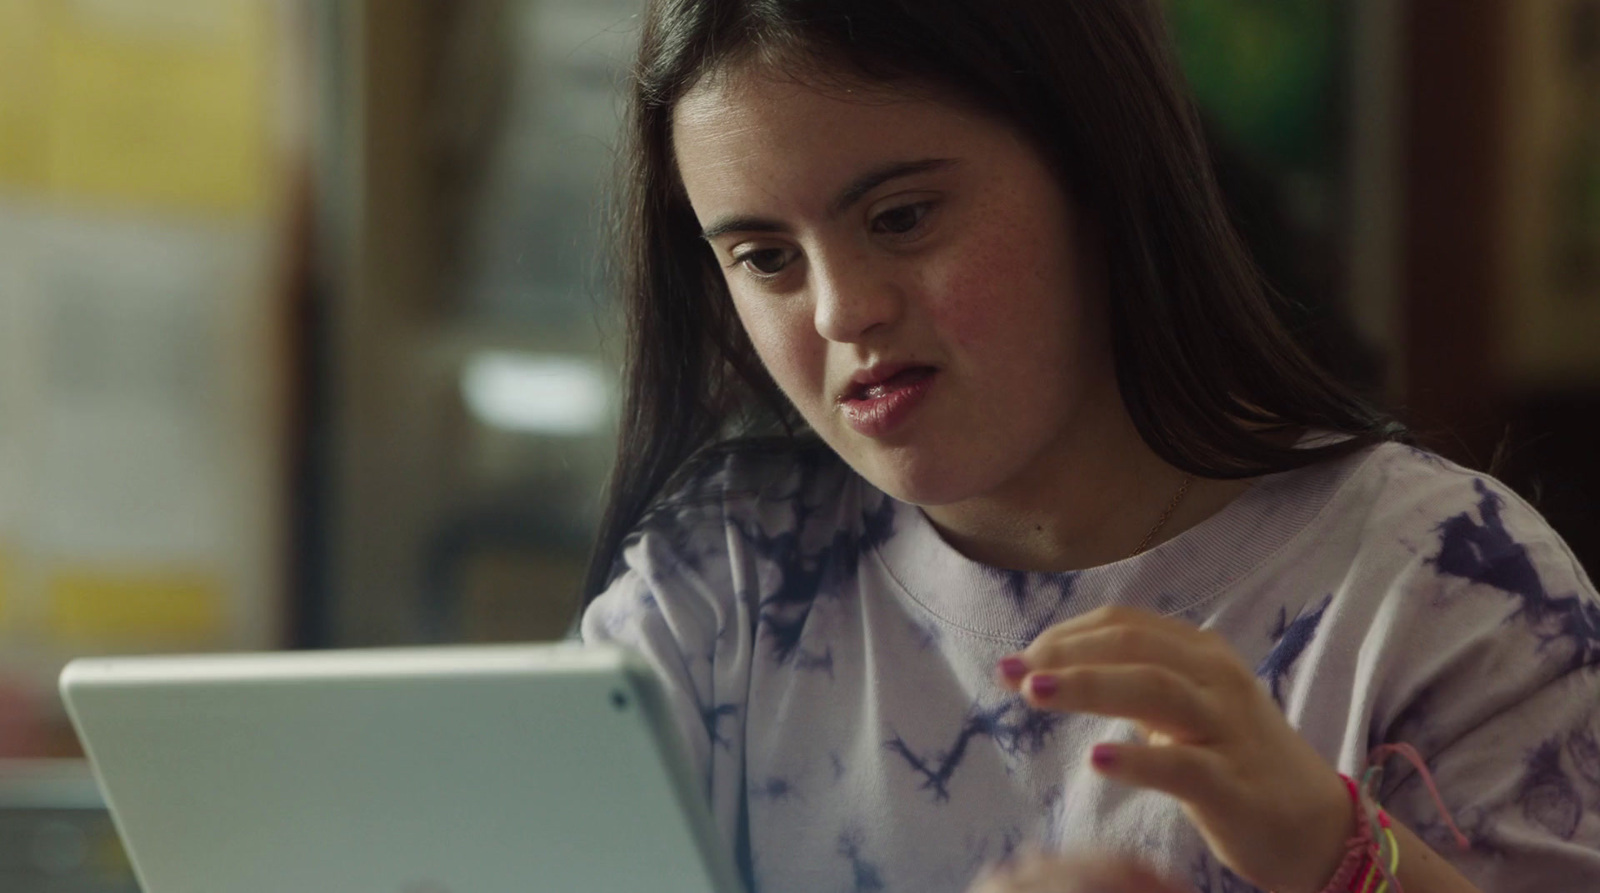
(922, 468)
(920, 483)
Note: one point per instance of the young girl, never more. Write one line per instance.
(1058, 543)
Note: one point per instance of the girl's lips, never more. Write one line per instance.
(879, 409)
(904, 376)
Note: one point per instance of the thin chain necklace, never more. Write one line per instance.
(1183, 490)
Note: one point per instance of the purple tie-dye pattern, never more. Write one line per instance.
(1475, 822)
(1291, 641)
(1485, 553)
(1040, 599)
(926, 634)
(1536, 795)
(1016, 586)
(664, 521)
(1014, 727)
(1209, 877)
(865, 876)
(775, 788)
(1023, 589)
(1548, 796)
(616, 620)
(713, 717)
(1413, 726)
(1584, 751)
(1061, 587)
(1003, 850)
(1054, 808)
(803, 576)
(1432, 459)
(815, 663)
(675, 558)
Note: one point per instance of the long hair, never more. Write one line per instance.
(1206, 369)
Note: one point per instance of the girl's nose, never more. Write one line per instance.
(852, 300)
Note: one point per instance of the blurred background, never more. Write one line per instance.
(305, 341)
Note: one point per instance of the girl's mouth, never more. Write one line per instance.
(904, 378)
(879, 408)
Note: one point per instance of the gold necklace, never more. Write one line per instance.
(1183, 490)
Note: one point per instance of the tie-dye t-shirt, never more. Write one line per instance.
(831, 662)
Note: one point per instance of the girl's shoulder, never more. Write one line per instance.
(1460, 524)
(747, 471)
(1411, 486)
(759, 486)
(750, 506)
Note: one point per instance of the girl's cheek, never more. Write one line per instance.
(789, 348)
(976, 294)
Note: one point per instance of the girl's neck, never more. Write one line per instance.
(1092, 503)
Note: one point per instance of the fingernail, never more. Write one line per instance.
(1013, 668)
(1103, 756)
(1042, 685)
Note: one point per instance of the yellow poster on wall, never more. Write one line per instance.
(94, 605)
(129, 102)
(144, 146)
(22, 100)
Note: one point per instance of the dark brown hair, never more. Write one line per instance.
(1206, 369)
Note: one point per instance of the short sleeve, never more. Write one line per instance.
(1500, 686)
(673, 602)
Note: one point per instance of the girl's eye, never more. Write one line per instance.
(901, 220)
(764, 261)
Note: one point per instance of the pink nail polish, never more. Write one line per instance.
(1104, 756)
(1042, 685)
(1013, 668)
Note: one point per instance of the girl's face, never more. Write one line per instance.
(911, 274)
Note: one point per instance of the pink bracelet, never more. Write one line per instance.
(1352, 872)
(1363, 859)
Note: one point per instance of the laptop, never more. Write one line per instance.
(463, 769)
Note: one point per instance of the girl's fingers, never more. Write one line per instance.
(1191, 774)
(1155, 696)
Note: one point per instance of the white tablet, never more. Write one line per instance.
(471, 769)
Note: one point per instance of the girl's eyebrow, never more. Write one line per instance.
(848, 196)
(858, 188)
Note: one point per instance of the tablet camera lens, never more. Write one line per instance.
(619, 700)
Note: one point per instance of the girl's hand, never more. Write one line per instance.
(1266, 803)
(1033, 872)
